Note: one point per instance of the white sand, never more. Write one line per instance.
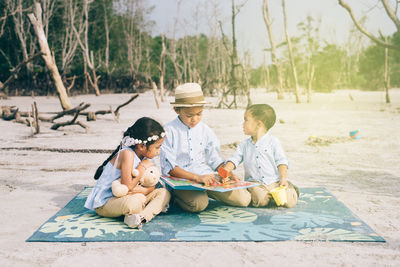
(364, 174)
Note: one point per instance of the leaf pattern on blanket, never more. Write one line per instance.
(224, 215)
(87, 225)
(236, 231)
(301, 220)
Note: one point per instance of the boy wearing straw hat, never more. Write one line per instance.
(191, 150)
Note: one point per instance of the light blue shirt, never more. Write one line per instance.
(261, 160)
(101, 192)
(193, 149)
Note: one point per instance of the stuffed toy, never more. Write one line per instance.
(150, 177)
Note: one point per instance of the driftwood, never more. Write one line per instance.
(33, 119)
(71, 122)
(11, 113)
(91, 116)
(35, 116)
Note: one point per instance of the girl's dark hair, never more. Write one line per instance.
(264, 113)
(141, 129)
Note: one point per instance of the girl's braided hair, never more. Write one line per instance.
(142, 129)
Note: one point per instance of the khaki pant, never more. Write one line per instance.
(260, 195)
(148, 206)
(196, 201)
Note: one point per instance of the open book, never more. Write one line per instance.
(185, 184)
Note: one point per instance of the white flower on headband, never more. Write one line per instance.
(128, 141)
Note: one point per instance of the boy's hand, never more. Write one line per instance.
(283, 182)
(235, 178)
(208, 179)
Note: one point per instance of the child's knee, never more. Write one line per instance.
(259, 202)
(197, 204)
(134, 203)
(244, 199)
(164, 194)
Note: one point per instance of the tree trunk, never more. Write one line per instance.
(36, 20)
(107, 33)
(275, 62)
(161, 68)
(154, 86)
(292, 63)
(87, 54)
(310, 80)
(387, 75)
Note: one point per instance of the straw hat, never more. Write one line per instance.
(189, 95)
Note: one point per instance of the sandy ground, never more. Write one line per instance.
(364, 174)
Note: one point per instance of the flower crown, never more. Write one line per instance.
(128, 141)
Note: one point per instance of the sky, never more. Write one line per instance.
(198, 16)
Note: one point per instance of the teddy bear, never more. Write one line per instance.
(150, 177)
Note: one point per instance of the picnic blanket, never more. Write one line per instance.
(317, 216)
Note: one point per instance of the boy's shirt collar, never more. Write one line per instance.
(264, 139)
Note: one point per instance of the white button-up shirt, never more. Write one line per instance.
(260, 159)
(193, 149)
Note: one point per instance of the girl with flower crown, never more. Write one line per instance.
(142, 140)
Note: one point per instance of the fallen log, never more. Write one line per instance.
(71, 122)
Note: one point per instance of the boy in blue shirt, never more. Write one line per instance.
(191, 151)
(263, 157)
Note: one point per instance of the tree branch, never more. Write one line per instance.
(18, 68)
(363, 30)
(391, 14)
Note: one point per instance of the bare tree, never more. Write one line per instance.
(387, 74)
(311, 35)
(3, 16)
(161, 68)
(234, 83)
(275, 61)
(107, 29)
(84, 44)
(292, 63)
(36, 20)
(22, 30)
(70, 40)
(391, 14)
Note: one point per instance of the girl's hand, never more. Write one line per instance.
(143, 190)
(208, 179)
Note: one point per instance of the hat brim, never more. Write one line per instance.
(184, 105)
